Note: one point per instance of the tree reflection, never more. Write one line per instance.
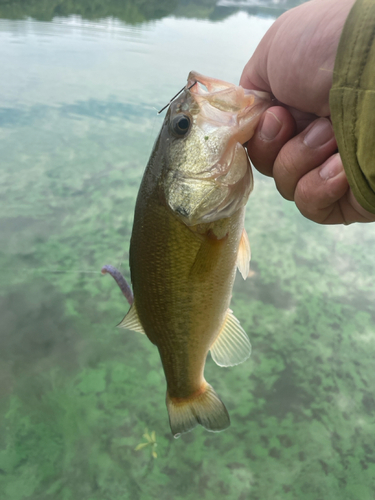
(138, 11)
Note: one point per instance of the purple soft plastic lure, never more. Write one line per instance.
(121, 281)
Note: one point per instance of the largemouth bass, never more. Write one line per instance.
(188, 238)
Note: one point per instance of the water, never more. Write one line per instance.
(79, 90)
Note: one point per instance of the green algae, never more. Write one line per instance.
(76, 394)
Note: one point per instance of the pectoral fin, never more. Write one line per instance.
(244, 255)
(207, 255)
(232, 345)
(131, 321)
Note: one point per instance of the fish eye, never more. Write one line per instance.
(181, 125)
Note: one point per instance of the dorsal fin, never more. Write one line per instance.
(244, 255)
(131, 321)
(232, 345)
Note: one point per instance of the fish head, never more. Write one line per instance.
(207, 173)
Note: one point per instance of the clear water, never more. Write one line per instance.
(79, 88)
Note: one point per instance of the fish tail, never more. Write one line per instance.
(204, 408)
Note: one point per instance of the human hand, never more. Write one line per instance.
(294, 141)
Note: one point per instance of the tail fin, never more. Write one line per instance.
(204, 408)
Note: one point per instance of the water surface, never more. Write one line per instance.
(78, 98)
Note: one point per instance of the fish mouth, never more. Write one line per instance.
(224, 116)
(216, 91)
(222, 103)
(212, 84)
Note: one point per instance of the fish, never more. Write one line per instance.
(187, 240)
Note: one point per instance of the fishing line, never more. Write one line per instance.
(174, 97)
(58, 271)
(46, 271)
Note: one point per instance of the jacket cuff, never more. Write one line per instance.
(352, 101)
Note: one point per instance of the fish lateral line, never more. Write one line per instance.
(121, 281)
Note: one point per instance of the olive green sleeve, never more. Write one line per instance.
(352, 101)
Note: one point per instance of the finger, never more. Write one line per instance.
(301, 118)
(354, 212)
(255, 74)
(319, 193)
(306, 151)
(274, 130)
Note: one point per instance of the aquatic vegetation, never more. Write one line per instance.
(150, 441)
(302, 411)
(76, 393)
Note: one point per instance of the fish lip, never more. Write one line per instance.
(233, 101)
(213, 85)
(259, 93)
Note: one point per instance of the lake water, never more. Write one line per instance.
(79, 91)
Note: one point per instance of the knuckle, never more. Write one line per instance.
(306, 202)
(303, 194)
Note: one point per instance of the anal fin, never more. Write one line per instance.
(232, 345)
(244, 255)
(131, 320)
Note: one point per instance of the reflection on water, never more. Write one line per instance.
(77, 123)
(139, 11)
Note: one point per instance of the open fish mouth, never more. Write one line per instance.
(226, 96)
(226, 103)
(209, 175)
